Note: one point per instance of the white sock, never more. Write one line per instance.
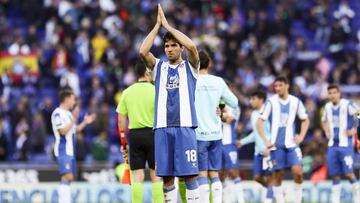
(204, 193)
(298, 192)
(239, 191)
(263, 193)
(356, 192)
(204, 189)
(216, 189)
(192, 191)
(335, 193)
(170, 194)
(279, 195)
(64, 193)
(268, 200)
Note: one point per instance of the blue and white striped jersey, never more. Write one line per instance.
(281, 115)
(339, 118)
(175, 94)
(64, 145)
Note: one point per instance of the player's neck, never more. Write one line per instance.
(284, 96)
(64, 107)
(259, 107)
(335, 103)
(203, 71)
(177, 61)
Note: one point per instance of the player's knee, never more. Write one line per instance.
(258, 179)
(213, 174)
(67, 177)
(168, 181)
(203, 173)
(298, 177)
(234, 173)
(190, 178)
(349, 176)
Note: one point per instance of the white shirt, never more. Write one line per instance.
(64, 145)
(281, 114)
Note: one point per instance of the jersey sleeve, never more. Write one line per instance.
(229, 97)
(324, 115)
(155, 69)
(58, 120)
(194, 70)
(301, 112)
(122, 108)
(248, 139)
(352, 108)
(265, 114)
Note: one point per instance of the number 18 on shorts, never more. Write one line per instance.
(175, 152)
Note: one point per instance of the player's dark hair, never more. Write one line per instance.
(333, 86)
(204, 59)
(259, 94)
(168, 36)
(64, 93)
(282, 79)
(140, 69)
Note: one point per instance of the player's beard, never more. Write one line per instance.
(173, 58)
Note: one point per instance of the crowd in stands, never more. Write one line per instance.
(91, 46)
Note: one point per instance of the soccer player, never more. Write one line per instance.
(230, 161)
(175, 116)
(338, 124)
(210, 90)
(137, 104)
(64, 124)
(262, 165)
(281, 110)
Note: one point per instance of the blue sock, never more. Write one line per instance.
(237, 180)
(215, 179)
(353, 180)
(65, 182)
(269, 193)
(336, 181)
(170, 188)
(192, 184)
(202, 180)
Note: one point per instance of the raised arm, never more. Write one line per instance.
(191, 50)
(145, 47)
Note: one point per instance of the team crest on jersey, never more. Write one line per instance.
(172, 82)
(67, 166)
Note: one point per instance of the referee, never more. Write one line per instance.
(137, 104)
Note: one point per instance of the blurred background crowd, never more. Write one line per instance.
(91, 46)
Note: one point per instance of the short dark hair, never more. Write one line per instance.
(282, 79)
(168, 36)
(204, 59)
(64, 93)
(259, 94)
(140, 69)
(333, 86)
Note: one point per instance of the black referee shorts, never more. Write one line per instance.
(141, 148)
